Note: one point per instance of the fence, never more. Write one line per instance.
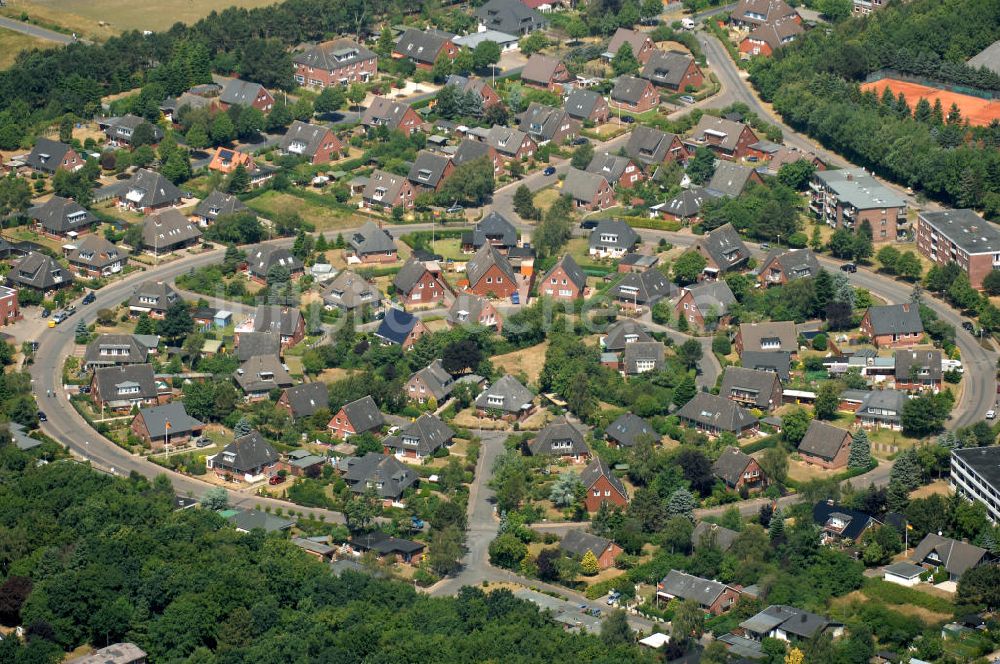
(929, 82)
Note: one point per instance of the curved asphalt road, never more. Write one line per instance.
(35, 31)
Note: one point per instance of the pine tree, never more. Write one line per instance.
(907, 470)
(685, 390)
(242, 428)
(681, 503)
(776, 530)
(589, 565)
(861, 450)
(948, 440)
(897, 496)
(145, 325)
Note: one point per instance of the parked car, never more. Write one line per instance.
(968, 326)
(687, 99)
(58, 317)
(45, 313)
(276, 479)
(990, 414)
(613, 597)
(42, 417)
(549, 170)
(454, 209)
(203, 441)
(589, 224)
(89, 297)
(627, 119)
(765, 245)
(416, 523)
(581, 140)
(849, 267)
(85, 389)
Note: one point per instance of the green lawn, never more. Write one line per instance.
(325, 218)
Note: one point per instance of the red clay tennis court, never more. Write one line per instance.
(978, 111)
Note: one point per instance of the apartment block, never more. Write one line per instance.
(846, 198)
(975, 474)
(961, 237)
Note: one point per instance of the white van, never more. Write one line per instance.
(687, 23)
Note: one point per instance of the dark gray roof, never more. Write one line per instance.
(542, 122)
(238, 91)
(148, 188)
(622, 332)
(580, 103)
(984, 461)
(262, 373)
(778, 361)
(573, 271)
(686, 586)
(247, 520)
(422, 45)
(727, 132)
(494, 226)
(628, 428)
(383, 187)
(764, 336)
(643, 351)
(385, 112)
(629, 89)
(47, 155)
(667, 68)
(470, 150)
(750, 381)
(251, 344)
(895, 319)
(612, 233)
(789, 619)
(307, 398)
(927, 364)
(217, 204)
(884, 405)
(396, 326)
(989, 57)
(648, 145)
(505, 140)
(438, 381)
(385, 474)
(539, 69)
(363, 414)
(597, 469)
(729, 179)
(516, 397)
(152, 294)
(510, 16)
(645, 288)
(115, 349)
(333, 55)
(467, 84)
(730, 465)
(486, 257)
(577, 543)
(721, 537)
(687, 203)
(823, 440)
(425, 435)
(855, 521)
(116, 383)
(246, 453)
(62, 215)
(156, 419)
(466, 308)
(795, 263)
(712, 296)
(303, 138)
(409, 275)
(966, 229)
(384, 544)
(370, 239)
(276, 319)
(263, 257)
(428, 169)
(558, 438)
(349, 291)
(725, 247)
(955, 556)
(96, 251)
(611, 166)
(168, 228)
(39, 271)
(121, 128)
(714, 411)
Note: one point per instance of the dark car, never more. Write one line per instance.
(89, 297)
(627, 119)
(42, 417)
(549, 170)
(45, 313)
(581, 140)
(968, 326)
(589, 224)
(849, 267)
(85, 389)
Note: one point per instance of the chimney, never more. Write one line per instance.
(829, 501)
(906, 307)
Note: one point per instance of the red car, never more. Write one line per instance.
(276, 479)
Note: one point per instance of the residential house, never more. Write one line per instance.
(419, 283)
(706, 304)
(975, 475)
(635, 261)
(505, 41)
(777, 361)
(673, 70)
(586, 106)
(506, 399)
(713, 597)
(578, 544)
(790, 624)
(386, 191)
(302, 463)
(589, 191)
(714, 415)
(617, 170)
(849, 197)
(628, 430)
(119, 388)
(424, 47)
(420, 439)
(226, 161)
(961, 237)
(429, 171)
(565, 281)
(166, 231)
(393, 115)
(10, 310)
(470, 150)
(638, 291)
(723, 250)
(953, 556)
(304, 400)
(472, 309)
(510, 16)
(171, 106)
(371, 244)
(431, 382)
(94, 257)
(751, 13)
(825, 445)
(349, 292)
(893, 325)
(318, 547)
(562, 439)
(169, 424)
(247, 521)
(739, 471)
(360, 416)
(477, 86)
(494, 229)
(118, 653)
(249, 458)
(751, 388)
(684, 207)
(386, 547)
(780, 155)
(284, 322)
(602, 486)
(730, 180)
(399, 328)
(881, 409)
(767, 337)
(652, 147)
(612, 238)
(780, 267)
(38, 272)
(839, 523)
(918, 370)
(642, 357)
(259, 375)
(61, 217)
(215, 205)
(49, 156)
(542, 71)
(636, 95)
(545, 124)
(490, 274)
(768, 38)
(152, 298)
(623, 332)
(336, 62)
(317, 144)
(510, 143)
(114, 349)
(726, 138)
(706, 534)
(643, 47)
(237, 92)
(261, 259)
(119, 130)
(385, 474)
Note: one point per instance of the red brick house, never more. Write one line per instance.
(739, 471)
(636, 95)
(673, 70)
(589, 191)
(316, 143)
(417, 284)
(587, 106)
(337, 62)
(704, 301)
(546, 73)
(424, 47)
(893, 325)
(825, 445)
(49, 156)
(238, 92)
(470, 309)
(10, 311)
(490, 274)
(713, 597)
(565, 281)
(477, 86)
(640, 42)
(356, 417)
(726, 138)
(769, 37)
(617, 170)
(578, 543)
(386, 191)
(602, 486)
(395, 115)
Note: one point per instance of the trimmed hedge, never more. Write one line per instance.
(762, 444)
(653, 224)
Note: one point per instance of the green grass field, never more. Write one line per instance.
(12, 43)
(325, 218)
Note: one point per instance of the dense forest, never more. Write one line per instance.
(814, 86)
(86, 558)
